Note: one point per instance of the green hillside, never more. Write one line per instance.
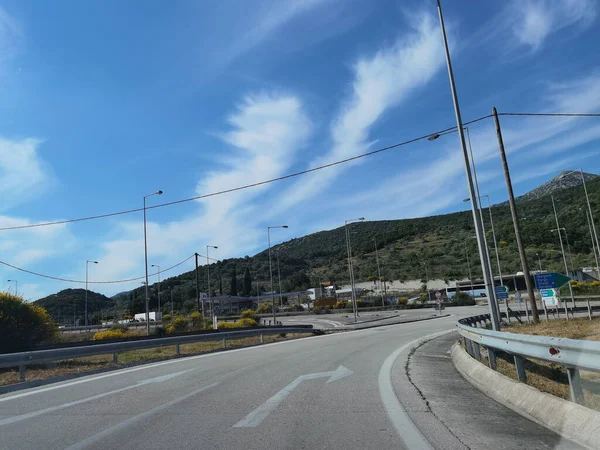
(405, 247)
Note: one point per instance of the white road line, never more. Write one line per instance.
(406, 429)
(88, 399)
(301, 354)
(96, 438)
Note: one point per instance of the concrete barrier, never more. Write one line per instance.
(570, 420)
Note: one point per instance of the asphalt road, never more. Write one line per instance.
(332, 391)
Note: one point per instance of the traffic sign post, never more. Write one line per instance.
(438, 296)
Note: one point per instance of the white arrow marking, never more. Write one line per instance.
(259, 414)
(88, 399)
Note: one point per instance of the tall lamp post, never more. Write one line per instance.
(594, 248)
(146, 263)
(350, 268)
(279, 278)
(208, 277)
(158, 291)
(539, 261)
(271, 269)
(558, 229)
(379, 272)
(493, 233)
(469, 268)
(16, 286)
(483, 253)
(86, 292)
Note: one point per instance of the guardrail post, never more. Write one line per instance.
(476, 351)
(469, 347)
(177, 352)
(575, 385)
(115, 358)
(492, 358)
(261, 339)
(22, 369)
(521, 375)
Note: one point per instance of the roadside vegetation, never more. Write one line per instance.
(551, 377)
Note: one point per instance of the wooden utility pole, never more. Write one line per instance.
(513, 211)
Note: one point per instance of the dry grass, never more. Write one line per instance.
(91, 363)
(551, 377)
(579, 328)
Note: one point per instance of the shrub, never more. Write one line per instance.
(341, 304)
(117, 333)
(197, 320)
(246, 322)
(463, 299)
(178, 325)
(119, 327)
(403, 300)
(264, 308)
(23, 325)
(250, 314)
(166, 317)
(226, 325)
(159, 331)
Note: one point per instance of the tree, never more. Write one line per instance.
(247, 283)
(220, 284)
(23, 325)
(234, 289)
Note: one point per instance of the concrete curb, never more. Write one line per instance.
(570, 420)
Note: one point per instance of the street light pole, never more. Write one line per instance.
(469, 268)
(279, 277)
(427, 285)
(594, 248)
(208, 277)
(146, 263)
(483, 254)
(271, 270)
(539, 261)
(379, 272)
(558, 229)
(350, 268)
(86, 292)
(158, 291)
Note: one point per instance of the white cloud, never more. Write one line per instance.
(533, 21)
(22, 172)
(266, 132)
(381, 82)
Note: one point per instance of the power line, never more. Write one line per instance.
(96, 282)
(247, 186)
(292, 175)
(550, 114)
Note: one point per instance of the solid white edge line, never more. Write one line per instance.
(179, 360)
(405, 427)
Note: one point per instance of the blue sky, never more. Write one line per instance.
(103, 102)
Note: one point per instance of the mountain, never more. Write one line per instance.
(406, 248)
(60, 305)
(563, 180)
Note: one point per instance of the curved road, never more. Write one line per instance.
(332, 391)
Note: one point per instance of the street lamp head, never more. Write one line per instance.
(361, 218)
(284, 226)
(154, 265)
(159, 192)
(468, 199)
(433, 137)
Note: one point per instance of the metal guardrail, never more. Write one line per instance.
(23, 359)
(573, 354)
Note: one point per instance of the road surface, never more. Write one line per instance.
(333, 391)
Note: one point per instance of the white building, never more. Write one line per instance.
(153, 316)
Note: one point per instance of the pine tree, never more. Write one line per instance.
(234, 289)
(247, 283)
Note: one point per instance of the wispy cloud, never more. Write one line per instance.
(533, 21)
(22, 172)
(267, 130)
(380, 82)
